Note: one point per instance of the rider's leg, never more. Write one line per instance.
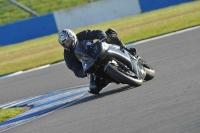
(92, 82)
(97, 84)
(112, 38)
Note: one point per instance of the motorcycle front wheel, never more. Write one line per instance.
(122, 77)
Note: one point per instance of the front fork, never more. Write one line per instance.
(138, 69)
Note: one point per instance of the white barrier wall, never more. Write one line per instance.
(93, 13)
(97, 12)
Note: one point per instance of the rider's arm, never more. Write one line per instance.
(91, 35)
(74, 64)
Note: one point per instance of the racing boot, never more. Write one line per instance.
(92, 82)
(97, 85)
(93, 87)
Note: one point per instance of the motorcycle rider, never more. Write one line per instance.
(68, 39)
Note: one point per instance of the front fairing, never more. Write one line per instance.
(88, 53)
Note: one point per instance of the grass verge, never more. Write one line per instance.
(6, 114)
(46, 50)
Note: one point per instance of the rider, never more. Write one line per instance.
(68, 39)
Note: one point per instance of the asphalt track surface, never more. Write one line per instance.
(170, 103)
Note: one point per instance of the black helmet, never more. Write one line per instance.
(65, 35)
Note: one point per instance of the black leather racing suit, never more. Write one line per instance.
(71, 60)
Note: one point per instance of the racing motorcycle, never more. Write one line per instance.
(113, 63)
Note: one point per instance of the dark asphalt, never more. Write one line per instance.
(170, 103)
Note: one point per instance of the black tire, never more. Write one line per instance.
(119, 76)
(150, 72)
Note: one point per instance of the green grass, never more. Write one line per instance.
(6, 114)
(12, 13)
(46, 50)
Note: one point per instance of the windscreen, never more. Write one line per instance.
(81, 48)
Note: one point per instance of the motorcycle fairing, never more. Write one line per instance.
(90, 54)
(125, 58)
(115, 52)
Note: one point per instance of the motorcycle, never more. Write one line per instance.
(113, 63)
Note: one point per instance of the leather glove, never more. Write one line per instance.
(133, 51)
(111, 33)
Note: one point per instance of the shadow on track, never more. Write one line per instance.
(103, 94)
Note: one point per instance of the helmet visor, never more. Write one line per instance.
(67, 43)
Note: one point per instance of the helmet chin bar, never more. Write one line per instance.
(71, 47)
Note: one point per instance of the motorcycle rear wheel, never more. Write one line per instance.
(121, 77)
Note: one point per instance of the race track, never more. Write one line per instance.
(170, 103)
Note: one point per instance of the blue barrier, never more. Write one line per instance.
(45, 25)
(148, 5)
(27, 29)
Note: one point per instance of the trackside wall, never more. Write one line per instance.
(93, 13)
(148, 5)
(27, 29)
